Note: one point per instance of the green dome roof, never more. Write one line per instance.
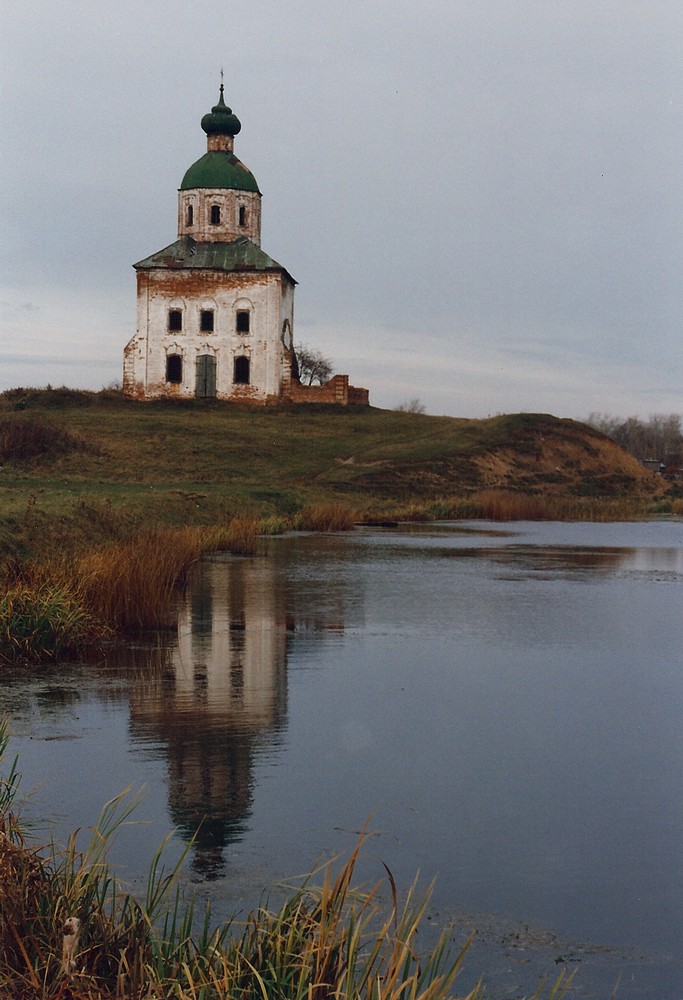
(217, 169)
(220, 120)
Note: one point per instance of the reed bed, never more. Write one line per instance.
(132, 584)
(62, 607)
(326, 517)
(45, 622)
(240, 536)
(497, 505)
(503, 505)
(68, 929)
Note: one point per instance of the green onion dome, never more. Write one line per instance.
(220, 120)
(219, 167)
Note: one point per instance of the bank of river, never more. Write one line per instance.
(501, 703)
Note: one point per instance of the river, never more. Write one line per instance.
(500, 705)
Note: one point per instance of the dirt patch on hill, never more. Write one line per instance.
(581, 464)
(527, 453)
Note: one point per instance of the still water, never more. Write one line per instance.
(503, 705)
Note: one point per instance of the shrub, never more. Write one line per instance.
(25, 437)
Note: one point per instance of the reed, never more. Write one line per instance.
(69, 930)
(240, 536)
(132, 584)
(61, 606)
(504, 505)
(326, 517)
(45, 622)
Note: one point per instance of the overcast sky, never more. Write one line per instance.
(481, 200)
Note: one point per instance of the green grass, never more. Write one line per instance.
(106, 502)
(45, 622)
(166, 463)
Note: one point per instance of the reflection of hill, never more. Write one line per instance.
(220, 697)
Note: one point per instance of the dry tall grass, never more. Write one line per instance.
(132, 584)
(504, 505)
(326, 517)
(239, 536)
(60, 607)
(68, 930)
(29, 436)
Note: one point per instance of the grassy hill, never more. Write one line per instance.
(179, 463)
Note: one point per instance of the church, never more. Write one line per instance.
(215, 313)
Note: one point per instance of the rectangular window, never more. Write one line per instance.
(190, 215)
(243, 215)
(174, 369)
(241, 376)
(242, 321)
(206, 321)
(175, 320)
(215, 215)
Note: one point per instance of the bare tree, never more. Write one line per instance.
(411, 406)
(658, 437)
(313, 366)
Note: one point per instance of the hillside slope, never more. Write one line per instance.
(532, 453)
(194, 462)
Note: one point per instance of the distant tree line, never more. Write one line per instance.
(660, 437)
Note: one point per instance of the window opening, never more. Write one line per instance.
(243, 215)
(242, 321)
(174, 369)
(190, 215)
(241, 371)
(175, 319)
(206, 321)
(215, 215)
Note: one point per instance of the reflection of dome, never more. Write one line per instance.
(210, 790)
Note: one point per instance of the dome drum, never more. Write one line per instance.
(219, 215)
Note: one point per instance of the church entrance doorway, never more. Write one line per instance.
(206, 376)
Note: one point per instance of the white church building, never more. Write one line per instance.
(215, 313)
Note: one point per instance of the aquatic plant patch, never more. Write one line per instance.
(44, 622)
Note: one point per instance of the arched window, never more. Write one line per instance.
(243, 215)
(241, 371)
(215, 215)
(174, 369)
(190, 215)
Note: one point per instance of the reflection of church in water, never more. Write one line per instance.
(218, 700)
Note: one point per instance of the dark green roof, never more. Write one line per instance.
(220, 120)
(186, 253)
(218, 169)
